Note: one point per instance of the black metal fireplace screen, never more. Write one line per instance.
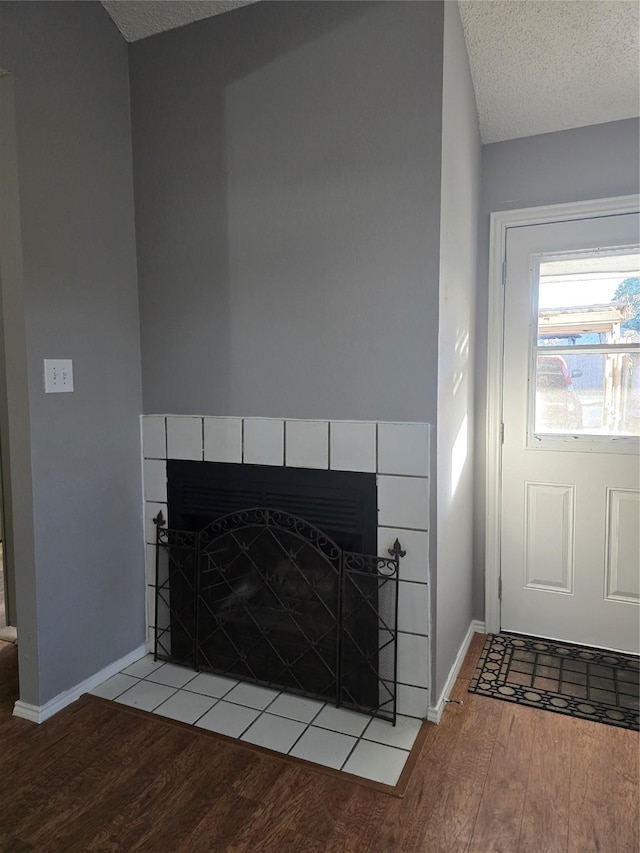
(263, 596)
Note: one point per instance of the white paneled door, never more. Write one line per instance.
(570, 560)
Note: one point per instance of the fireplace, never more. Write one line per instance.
(395, 454)
(269, 575)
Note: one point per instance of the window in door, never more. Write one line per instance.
(586, 352)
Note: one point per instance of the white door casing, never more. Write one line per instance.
(619, 504)
(570, 550)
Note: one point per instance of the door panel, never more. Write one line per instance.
(570, 560)
(622, 535)
(549, 530)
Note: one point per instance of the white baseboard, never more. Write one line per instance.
(40, 713)
(434, 713)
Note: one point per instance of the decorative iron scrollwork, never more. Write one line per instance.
(396, 550)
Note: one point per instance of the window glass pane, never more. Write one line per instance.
(588, 393)
(589, 300)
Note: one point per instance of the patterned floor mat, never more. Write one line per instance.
(594, 684)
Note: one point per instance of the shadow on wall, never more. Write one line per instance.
(185, 165)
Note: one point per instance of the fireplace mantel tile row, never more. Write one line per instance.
(398, 453)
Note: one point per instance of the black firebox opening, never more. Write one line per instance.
(343, 504)
(291, 599)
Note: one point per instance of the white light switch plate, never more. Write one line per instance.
(58, 375)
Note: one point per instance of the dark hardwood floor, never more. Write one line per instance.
(492, 777)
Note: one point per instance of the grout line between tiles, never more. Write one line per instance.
(245, 730)
(151, 710)
(248, 707)
(216, 701)
(151, 681)
(126, 688)
(350, 753)
(284, 443)
(414, 634)
(320, 710)
(390, 745)
(360, 740)
(302, 733)
(367, 726)
(226, 693)
(176, 690)
(337, 731)
(293, 719)
(185, 721)
(266, 707)
(404, 476)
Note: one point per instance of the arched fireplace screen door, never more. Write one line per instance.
(263, 596)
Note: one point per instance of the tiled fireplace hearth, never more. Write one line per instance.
(397, 453)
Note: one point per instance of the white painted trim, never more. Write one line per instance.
(434, 712)
(500, 222)
(40, 713)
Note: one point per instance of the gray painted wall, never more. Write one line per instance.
(599, 161)
(461, 152)
(80, 302)
(287, 185)
(15, 432)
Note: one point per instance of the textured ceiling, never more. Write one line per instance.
(537, 65)
(137, 19)
(545, 65)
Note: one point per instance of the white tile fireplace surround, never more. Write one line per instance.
(398, 453)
